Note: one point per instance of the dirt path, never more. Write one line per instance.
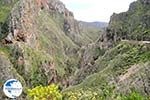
(134, 41)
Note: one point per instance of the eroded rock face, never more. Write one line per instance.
(23, 17)
(131, 25)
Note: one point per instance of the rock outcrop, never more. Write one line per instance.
(131, 25)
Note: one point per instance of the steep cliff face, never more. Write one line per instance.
(25, 12)
(133, 24)
(39, 37)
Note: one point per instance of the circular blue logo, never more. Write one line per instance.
(12, 88)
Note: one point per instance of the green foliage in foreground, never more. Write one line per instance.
(45, 93)
(133, 96)
(52, 93)
(82, 95)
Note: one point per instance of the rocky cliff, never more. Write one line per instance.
(41, 39)
(133, 24)
(42, 43)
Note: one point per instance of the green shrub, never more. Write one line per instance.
(133, 96)
(44, 93)
(52, 93)
(82, 95)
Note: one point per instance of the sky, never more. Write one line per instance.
(96, 10)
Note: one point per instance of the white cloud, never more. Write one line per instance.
(96, 10)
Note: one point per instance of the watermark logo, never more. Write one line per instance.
(12, 88)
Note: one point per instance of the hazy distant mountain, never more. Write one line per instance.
(93, 24)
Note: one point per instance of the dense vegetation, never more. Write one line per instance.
(59, 58)
(118, 60)
(52, 92)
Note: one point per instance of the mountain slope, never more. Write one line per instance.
(41, 43)
(125, 62)
(37, 43)
(41, 39)
(133, 24)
